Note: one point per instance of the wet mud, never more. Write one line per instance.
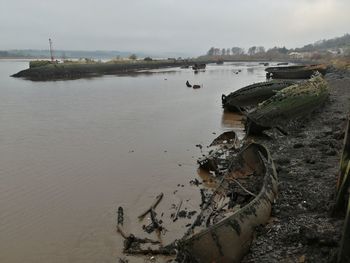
(302, 228)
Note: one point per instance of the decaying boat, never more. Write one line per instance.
(295, 72)
(198, 66)
(253, 94)
(221, 148)
(291, 102)
(223, 230)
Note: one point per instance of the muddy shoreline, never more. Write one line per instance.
(301, 228)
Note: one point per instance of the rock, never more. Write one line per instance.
(283, 160)
(298, 145)
(310, 160)
(331, 153)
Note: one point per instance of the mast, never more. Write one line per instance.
(51, 50)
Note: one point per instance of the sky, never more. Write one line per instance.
(185, 26)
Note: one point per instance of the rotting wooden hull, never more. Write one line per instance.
(296, 72)
(199, 66)
(228, 240)
(224, 138)
(225, 144)
(294, 101)
(252, 95)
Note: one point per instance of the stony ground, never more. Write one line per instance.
(301, 228)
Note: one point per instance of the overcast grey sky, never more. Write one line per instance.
(190, 26)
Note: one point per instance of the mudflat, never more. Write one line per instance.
(301, 228)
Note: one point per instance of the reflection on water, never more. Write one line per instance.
(208, 179)
(73, 151)
(233, 121)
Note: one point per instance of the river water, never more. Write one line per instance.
(73, 151)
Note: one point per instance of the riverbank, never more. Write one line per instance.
(301, 228)
(75, 70)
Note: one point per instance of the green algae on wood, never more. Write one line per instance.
(291, 102)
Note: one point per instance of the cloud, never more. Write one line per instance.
(167, 25)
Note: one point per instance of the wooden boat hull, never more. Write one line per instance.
(296, 72)
(224, 144)
(292, 102)
(252, 95)
(228, 240)
(199, 66)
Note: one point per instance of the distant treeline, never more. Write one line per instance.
(339, 45)
(254, 52)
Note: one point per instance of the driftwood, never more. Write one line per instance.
(120, 215)
(155, 225)
(120, 222)
(177, 211)
(153, 206)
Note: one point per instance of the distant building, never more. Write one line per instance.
(296, 55)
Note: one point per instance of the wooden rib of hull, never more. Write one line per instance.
(228, 240)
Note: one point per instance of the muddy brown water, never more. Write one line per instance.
(73, 151)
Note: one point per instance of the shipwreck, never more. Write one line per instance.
(291, 102)
(224, 229)
(295, 72)
(251, 95)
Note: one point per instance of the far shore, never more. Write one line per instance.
(77, 69)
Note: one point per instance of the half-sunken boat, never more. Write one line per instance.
(198, 66)
(291, 102)
(295, 72)
(221, 148)
(243, 199)
(251, 95)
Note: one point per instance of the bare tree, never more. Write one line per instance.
(252, 51)
(260, 49)
(211, 51)
(133, 57)
(237, 51)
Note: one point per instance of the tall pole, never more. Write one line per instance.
(51, 50)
